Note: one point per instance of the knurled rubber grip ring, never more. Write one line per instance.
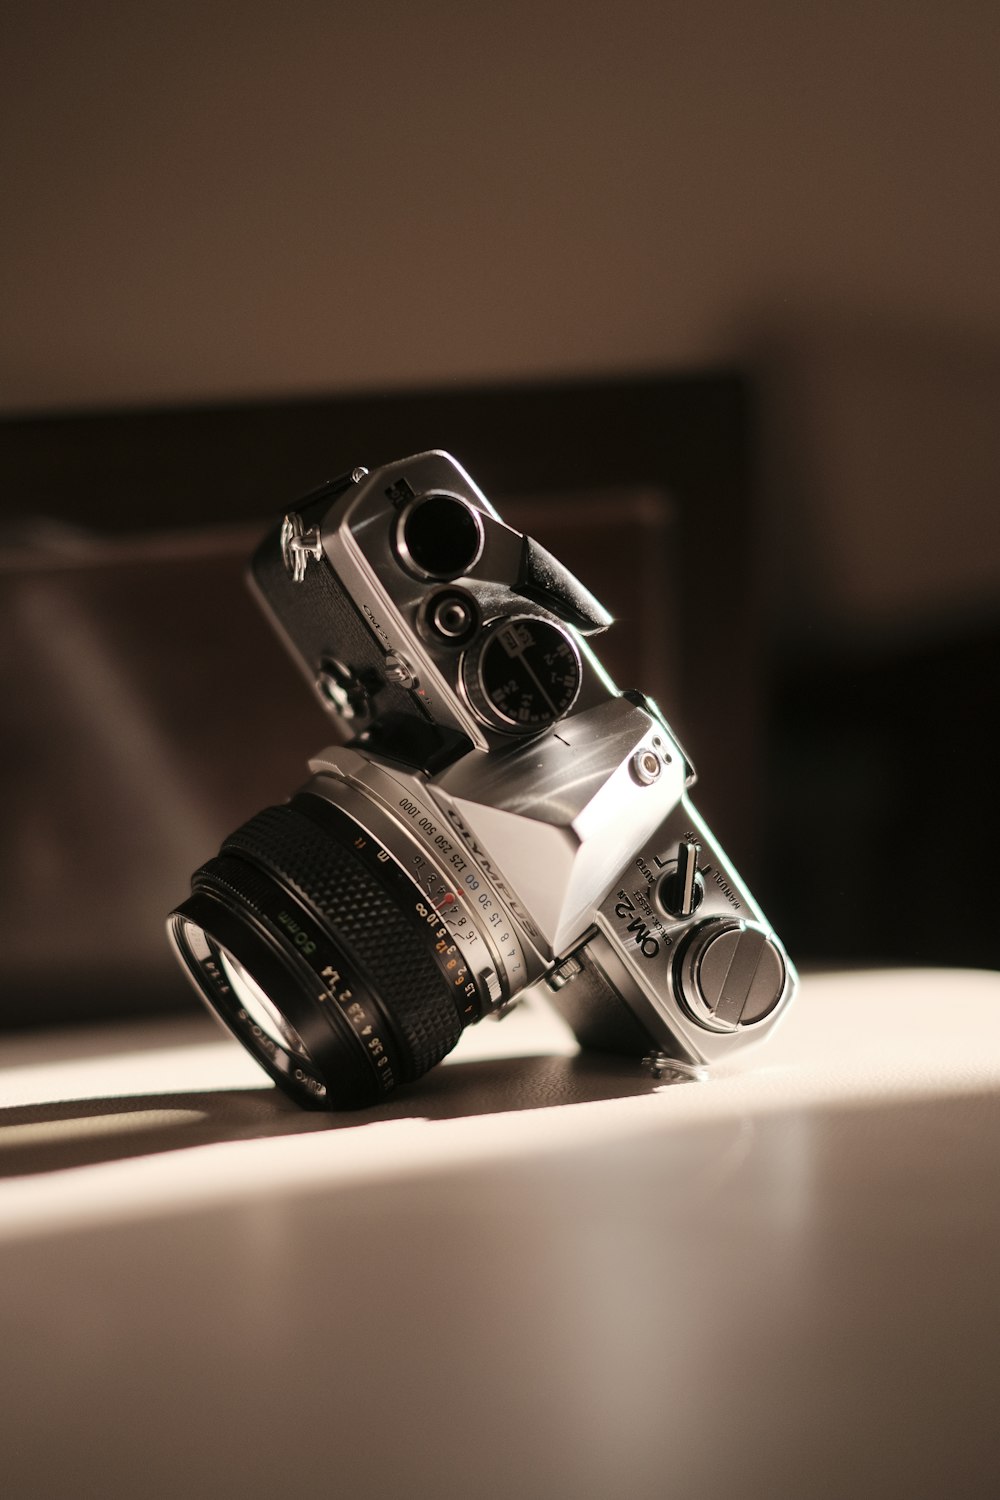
(365, 919)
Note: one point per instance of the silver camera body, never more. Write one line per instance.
(539, 817)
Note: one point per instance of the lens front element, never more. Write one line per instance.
(261, 1012)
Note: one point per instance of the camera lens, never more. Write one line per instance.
(439, 537)
(323, 957)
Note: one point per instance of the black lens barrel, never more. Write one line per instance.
(342, 942)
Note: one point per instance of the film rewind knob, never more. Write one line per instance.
(730, 974)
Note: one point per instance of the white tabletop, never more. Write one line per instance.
(534, 1275)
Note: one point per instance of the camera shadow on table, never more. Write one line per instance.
(49, 1137)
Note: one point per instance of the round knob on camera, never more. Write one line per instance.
(522, 674)
(730, 974)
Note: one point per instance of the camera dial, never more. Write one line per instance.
(522, 674)
(730, 974)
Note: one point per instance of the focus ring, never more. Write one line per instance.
(365, 918)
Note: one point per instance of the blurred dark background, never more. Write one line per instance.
(708, 293)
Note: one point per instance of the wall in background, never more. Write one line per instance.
(207, 201)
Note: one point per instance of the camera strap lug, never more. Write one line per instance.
(299, 543)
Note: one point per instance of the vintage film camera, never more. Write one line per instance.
(503, 817)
